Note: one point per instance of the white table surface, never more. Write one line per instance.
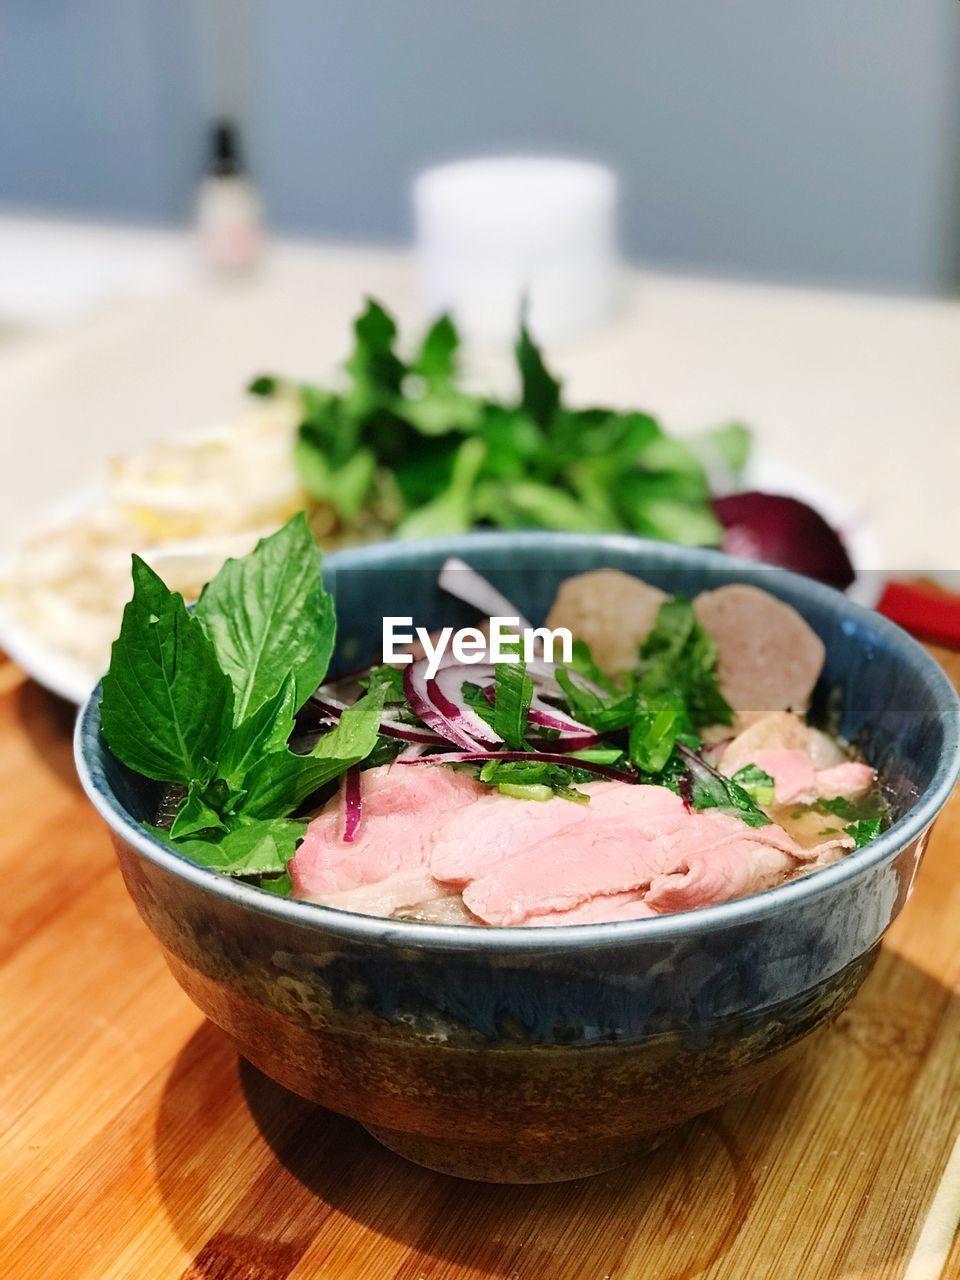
(861, 392)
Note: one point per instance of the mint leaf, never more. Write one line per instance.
(253, 847)
(278, 783)
(268, 615)
(166, 706)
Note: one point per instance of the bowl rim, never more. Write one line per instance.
(682, 924)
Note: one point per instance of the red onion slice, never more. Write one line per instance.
(333, 708)
(419, 695)
(352, 808)
(446, 692)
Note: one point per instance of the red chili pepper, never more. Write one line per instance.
(926, 610)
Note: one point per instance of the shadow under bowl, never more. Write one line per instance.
(535, 1055)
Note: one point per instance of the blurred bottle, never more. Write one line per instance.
(229, 211)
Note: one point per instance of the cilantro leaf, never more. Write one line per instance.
(166, 705)
(864, 831)
(374, 366)
(345, 487)
(477, 701)
(268, 615)
(452, 510)
(584, 663)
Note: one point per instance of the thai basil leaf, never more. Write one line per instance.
(269, 616)
(166, 706)
(280, 782)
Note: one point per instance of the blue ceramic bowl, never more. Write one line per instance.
(541, 1054)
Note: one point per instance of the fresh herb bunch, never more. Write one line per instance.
(205, 701)
(404, 448)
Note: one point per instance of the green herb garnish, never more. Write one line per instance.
(207, 700)
(405, 448)
(758, 785)
(864, 831)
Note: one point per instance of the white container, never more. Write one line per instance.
(492, 233)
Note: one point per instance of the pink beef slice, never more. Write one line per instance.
(725, 859)
(848, 780)
(636, 850)
(794, 779)
(471, 841)
(403, 806)
(607, 908)
(768, 658)
(616, 844)
(476, 841)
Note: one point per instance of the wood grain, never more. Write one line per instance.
(134, 1145)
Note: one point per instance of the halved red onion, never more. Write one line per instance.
(352, 807)
(782, 530)
(530, 757)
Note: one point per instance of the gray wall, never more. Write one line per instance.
(813, 139)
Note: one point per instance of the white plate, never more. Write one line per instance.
(73, 681)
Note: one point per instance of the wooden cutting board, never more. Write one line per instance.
(135, 1146)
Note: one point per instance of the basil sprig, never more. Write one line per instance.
(207, 701)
